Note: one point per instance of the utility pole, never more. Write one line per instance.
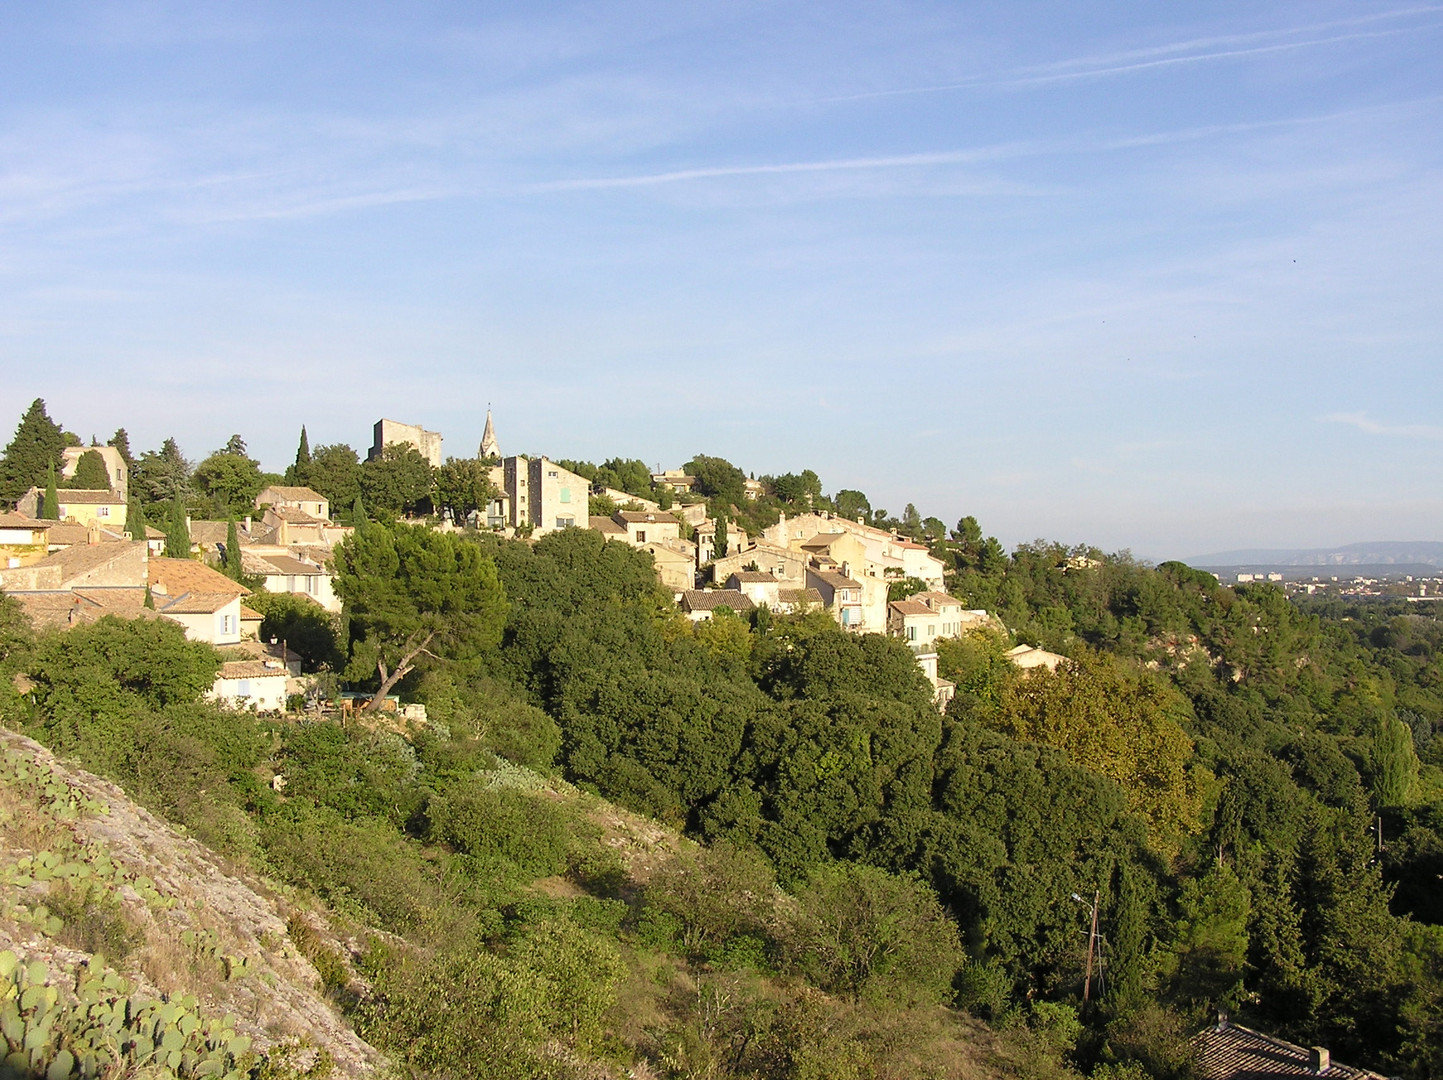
(1091, 943)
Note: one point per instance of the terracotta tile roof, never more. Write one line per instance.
(251, 669)
(835, 580)
(797, 596)
(178, 576)
(910, 545)
(751, 577)
(822, 541)
(62, 532)
(1231, 1052)
(711, 599)
(936, 597)
(606, 525)
(193, 603)
(293, 494)
(250, 614)
(81, 497)
(296, 517)
(910, 607)
(82, 558)
(641, 517)
(285, 564)
(20, 521)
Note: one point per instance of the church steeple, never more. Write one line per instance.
(489, 446)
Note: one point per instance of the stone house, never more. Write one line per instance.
(103, 508)
(647, 526)
(204, 601)
(287, 497)
(298, 577)
(540, 495)
(675, 562)
(841, 596)
(758, 586)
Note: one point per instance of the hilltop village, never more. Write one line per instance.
(88, 556)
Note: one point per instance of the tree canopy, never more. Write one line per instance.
(411, 595)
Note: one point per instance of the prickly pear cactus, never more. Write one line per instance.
(58, 1032)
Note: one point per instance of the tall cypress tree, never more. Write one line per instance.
(299, 473)
(177, 533)
(135, 517)
(34, 449)
(50, 506)
(358, 515)
(720, 542)
(232, 550)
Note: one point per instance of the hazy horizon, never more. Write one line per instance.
(1113, 274)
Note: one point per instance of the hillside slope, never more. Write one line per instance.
(90, 883)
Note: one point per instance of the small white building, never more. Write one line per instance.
(251, 684)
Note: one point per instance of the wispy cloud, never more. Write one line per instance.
(981, 155)
(1193, 51)
(1362, 422)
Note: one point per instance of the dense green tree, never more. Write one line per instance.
(804, 488)
(335, 472)
(968, 533)
(412, 594)
(33, 450)
(90, 473)
(852, 504)
(162, 476)
(1119, 725)
(464, 485)
(308, 630)
(625, 474)
(717, 479)
(400, 481)
(230, 482)
(720, 541)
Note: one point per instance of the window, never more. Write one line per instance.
(566, 494)
(565, 522)
(911, 633)
(553, 474)
(641, 536)
(225, 624)
(102, 511)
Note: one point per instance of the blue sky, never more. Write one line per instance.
(1164, 277)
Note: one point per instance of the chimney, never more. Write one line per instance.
(1319, 1060)
(248, 523)
(1222, 1020)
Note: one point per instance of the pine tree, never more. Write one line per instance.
(177, 533)
(149, 599)
(50, 508)
(358, 515)
(121, 441)
(232, 551)
(35, 448)
(135, 517)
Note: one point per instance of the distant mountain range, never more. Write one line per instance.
(1372, 553)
